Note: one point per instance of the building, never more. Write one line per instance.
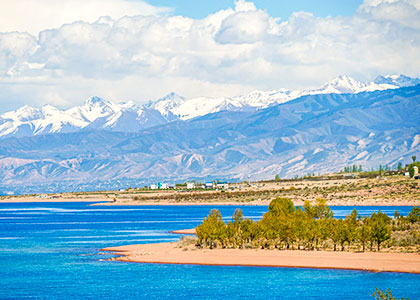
(190, 185)
(163, 186)
(153, 187)
(209, 185)
(223, 185)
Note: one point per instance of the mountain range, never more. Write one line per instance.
(105, 145)
(97, 113)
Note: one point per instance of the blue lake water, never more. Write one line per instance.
(52, 251)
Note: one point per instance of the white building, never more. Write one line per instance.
(209, 185)
(190, 185)
(222, 185)
(153, 187)
(164, 186)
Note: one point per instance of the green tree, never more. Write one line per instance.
(301, 224)
(277, 178)
(414, 215)
(364, 232)
(379, 295)
(414, 158)
(234, 230)
(212, 230)
(281, 206)
(309, 209)
(321, 209)
(399, 166)
(334, 231)
(380, 229)
(411, 168)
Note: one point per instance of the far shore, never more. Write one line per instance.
(172, 253)
(393, 190)
(107, 202)
(31, 199)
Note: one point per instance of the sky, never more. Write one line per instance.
(62, 52)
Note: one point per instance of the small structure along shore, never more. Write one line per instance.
(173, 253)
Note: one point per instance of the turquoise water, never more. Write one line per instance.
(52, 251)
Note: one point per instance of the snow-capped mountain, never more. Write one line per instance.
(397, 80)
(311, 134)
(97, 113)
(196, 107)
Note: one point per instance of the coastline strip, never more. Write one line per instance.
(171, 253)
(185, 231)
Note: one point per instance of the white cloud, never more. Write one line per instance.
(230, 52)
(33, 16)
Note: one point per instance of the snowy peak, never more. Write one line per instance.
(167, 104)
(397, 80)
(97, 113)
(343, 84)
(25, 113)
(94, 101)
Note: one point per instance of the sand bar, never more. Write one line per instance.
(170, 253)
(30, 199)
(185, 231)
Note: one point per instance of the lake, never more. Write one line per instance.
(52, 251)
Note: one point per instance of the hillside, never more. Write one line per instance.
(311, 134)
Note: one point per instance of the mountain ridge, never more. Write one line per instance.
(97, 113)
(311, 134)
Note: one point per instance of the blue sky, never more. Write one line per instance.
(277, 8)
(62, 52)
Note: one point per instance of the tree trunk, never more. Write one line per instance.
(335, 246)
(364, 246)
(379, 244)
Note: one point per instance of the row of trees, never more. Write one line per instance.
(353, 169)
(311, 227)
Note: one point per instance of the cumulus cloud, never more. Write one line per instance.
(229, 52)
(34, 16)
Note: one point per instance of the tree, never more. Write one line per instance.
(411, 168)
(414, 215)
(212, 230)
(281, 206)
(277, 178)
(379, 295)
(309, 209)
(301, 226)
(364, 231)
(234, 230)
(380, 231)
(334, 232)
(322, 210)
(342, 232)
(399, 166)
(414, 158)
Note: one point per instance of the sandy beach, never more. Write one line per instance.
(171, 253)
(185, 231)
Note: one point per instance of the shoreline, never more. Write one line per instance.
(259, 203)
(171, 253)
(107, 202)
(58, 200)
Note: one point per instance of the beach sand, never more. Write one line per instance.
(171, 253)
